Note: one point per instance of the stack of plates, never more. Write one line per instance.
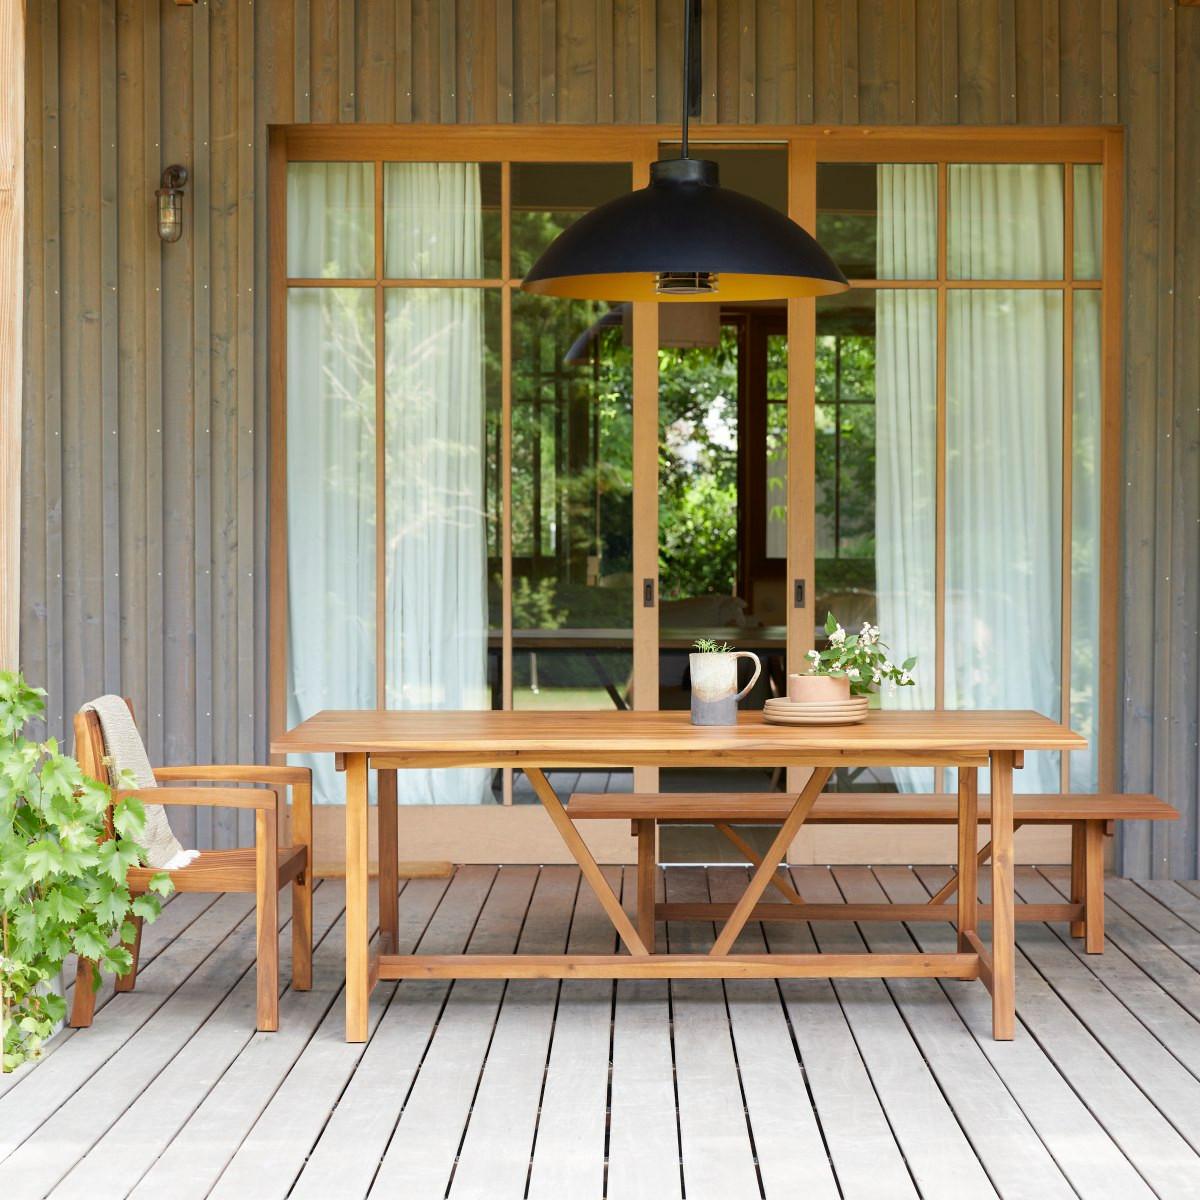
(782, 711)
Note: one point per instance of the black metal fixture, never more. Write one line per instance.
(684, 238)
(170, 203)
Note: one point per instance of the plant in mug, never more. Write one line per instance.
(861, 658)
(62, 874)
(708, 646)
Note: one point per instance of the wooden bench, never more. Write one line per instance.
(1091, 819)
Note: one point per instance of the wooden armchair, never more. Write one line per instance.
(262, 869)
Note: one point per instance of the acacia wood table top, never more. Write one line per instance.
(601, 732)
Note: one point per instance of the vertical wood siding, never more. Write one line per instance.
(146, 438)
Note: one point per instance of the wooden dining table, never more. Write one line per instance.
(537, 741)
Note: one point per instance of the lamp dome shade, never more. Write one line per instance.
(684, 238)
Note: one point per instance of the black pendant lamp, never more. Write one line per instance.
(684, 237)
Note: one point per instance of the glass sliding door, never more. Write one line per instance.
(393, 334)
(460, 519)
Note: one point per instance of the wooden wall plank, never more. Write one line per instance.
(23, 434)
(375, 62)
(302, 59)
(604, 61)
(1081, 69)
(51, 382)
(202, 458)
(152, 711)
(249, 532)
(347, 88)
(131, 254)
(1183, 709)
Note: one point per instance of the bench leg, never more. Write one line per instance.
(1093, 888)
(968, 880)
(1078, 875)
(647, 879)
(302, 889)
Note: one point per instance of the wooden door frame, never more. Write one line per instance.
(12, 307)
(639, 145)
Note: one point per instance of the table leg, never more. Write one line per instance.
(358, 984)
(1003, 912)
(773, 857)
(968, 837)
(389, 867)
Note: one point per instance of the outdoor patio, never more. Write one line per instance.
(590, 1088)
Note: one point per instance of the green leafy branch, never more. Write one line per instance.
(62, 874)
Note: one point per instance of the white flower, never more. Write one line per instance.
(868, 634)
(814, 655)
(837, 637)
(876, 677)
(852, 673)
(905, 677)
(888, 668)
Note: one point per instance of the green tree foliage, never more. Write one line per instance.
(62, 880)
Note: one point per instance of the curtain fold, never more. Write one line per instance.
(436, 535)
(906, 436)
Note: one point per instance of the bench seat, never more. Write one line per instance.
(1091, 818)
(858, 808)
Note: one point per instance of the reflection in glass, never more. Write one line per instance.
(572, 512)
(441, 220)
(436, 530)
(1085, 539)
(698, 474)
(1005, 221)
(547, 197)
(330, 220)
(1004, 379)
(777, 442)
(331, 509)
(879, 221)
(845, 460)
(1088, 224)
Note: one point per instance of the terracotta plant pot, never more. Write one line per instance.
(818, 689)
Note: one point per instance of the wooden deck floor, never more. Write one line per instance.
(586, 1089)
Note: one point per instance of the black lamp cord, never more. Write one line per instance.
(691, 16)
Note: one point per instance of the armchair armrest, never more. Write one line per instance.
(218, 797)
(251, 773)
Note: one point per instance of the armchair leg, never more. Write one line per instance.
(83, 1006)
(266, 915)
(125, 983)
(302, 889)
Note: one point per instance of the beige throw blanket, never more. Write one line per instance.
(126, 752)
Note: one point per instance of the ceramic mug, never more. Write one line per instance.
(715, 692)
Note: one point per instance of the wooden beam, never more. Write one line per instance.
(12, 227)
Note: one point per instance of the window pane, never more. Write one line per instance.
(572, 510)
(441, 220)
(1088, 229)
(1085, 539)
(776, 478)
(330, 218)
(879, 221)
(547, 197)
(330, 510)
(1005, 221)
(437, 522)
(1004, 385)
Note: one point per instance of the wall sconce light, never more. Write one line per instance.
(170, 203)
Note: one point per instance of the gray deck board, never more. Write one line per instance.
(536, 1088)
